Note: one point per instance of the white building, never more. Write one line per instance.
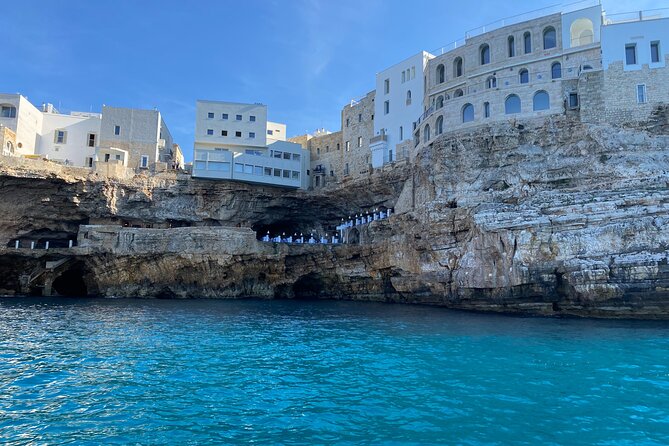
(235, 141)
(70, 139)
(24, 119)
(399, 100)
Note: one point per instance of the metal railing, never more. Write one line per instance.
(636, 16)
(519, 18)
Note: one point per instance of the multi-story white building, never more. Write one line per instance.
(235, 141)
(70, 139)
(398, 101)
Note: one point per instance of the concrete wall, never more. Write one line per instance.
(641, 33)
(275, 132)
(139, 133)
(75, 148)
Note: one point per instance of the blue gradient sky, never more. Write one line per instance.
(305, 59)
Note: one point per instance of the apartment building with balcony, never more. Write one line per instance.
(234, 141)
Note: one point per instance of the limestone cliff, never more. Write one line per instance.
(545, 217)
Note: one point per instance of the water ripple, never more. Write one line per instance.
(193, 372)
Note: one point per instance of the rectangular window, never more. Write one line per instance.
(296, 175)
(386, 107)
(118, 157)
(386, 86)
(359, 141)
(210, 115)
(641, 94)
(654, 52)
(413, 72)
(89, 162)
(348, 146)
(117, 130)
(238, 134)
(223, 167)
(238, 117)
(224, 133)
(268, 171)
(296, 156)
(277, 154)
(401, 133)
(8, 111)
(573, 100)
(630, 54)
(338, 146)
(286, 173)
(252, 118)
(359, 117)
(269, 132)
(347, 122)
(252, 134)
(60, 137)
(144, 162)
(224, 116)
(286, 155)
(248, 168)
(404, 76)
(107, 156)
(91, 140)
(257, 170)
(253, 152)
(277, 172)
(210, 131)
(200, 165)
(239, 168)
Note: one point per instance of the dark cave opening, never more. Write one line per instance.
(72, 283)
(309, 287)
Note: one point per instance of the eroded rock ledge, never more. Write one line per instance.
(540, 217)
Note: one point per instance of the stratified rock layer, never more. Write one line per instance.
(543, 217)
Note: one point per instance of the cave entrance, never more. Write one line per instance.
(72, 282)
(309, 287)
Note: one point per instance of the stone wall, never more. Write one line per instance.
(326, 159)
(357, 129)
(7, 141)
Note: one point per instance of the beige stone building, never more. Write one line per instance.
(7, 141)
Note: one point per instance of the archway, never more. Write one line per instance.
(72, 282)
(354, 236)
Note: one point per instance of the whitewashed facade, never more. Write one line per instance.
(233, 142)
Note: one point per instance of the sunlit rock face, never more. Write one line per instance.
(546, 216)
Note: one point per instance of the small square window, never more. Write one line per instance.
(210, 115)
(238, 134)
(252, 118)
(60, 137)
(224, 116)
(210, 131)
(269, 132)
(224, 133)
(238, 117)
(117, 130)
(252, 134)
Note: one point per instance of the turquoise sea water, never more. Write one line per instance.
(282, 372)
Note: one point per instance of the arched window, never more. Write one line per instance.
(541, 101)
(491, 82)
(468, 113)
(457, 67)
(581, 32)
(486, 109)
(7, 111)
(458, 93)
(441, 74)
(524, 76)
(484, 51)
(439, 126)
(408, 97)
(440, 102)
(512, 104)
(550, 38)
(426, 134)
(527, 42)
(556, 70)
(512, 46)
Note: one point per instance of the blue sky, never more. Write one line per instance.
(305, 59)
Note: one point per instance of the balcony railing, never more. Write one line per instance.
(637, 16)
(379, 138)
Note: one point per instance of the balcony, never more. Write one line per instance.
(379, 138)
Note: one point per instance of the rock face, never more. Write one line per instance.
(543, 217)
